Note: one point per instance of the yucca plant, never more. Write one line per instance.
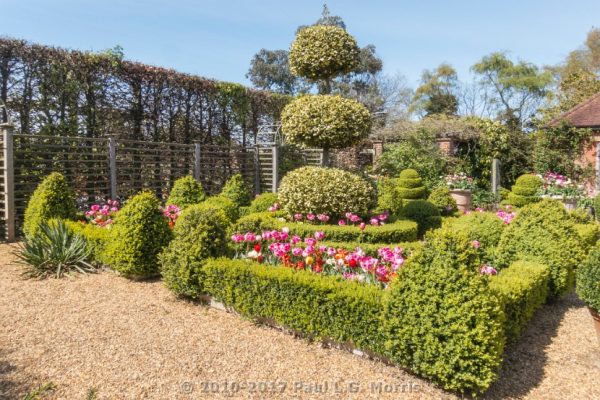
(55, 250)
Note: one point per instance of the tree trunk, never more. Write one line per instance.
(325, 160)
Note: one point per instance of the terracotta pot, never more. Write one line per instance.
(462, 198)
(596, 319)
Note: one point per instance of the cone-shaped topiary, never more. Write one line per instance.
(138, 234)
(525, 190)
(441, 319)
(410, 186)
(186, 191)
(231, 210)
(51, 199)
(441, 198)
(588, 280)
(200, 233)
(237, 190)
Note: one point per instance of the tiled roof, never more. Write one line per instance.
(583, 115)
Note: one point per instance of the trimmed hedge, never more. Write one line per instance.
(486, 228)
(589, 234)
(262, 203)
(231, 210)
(53, 198)
(96, 237)
(237, 190)
(522, 288)
(424, 213)
(588, 280)
(186, 191)
(320, 306)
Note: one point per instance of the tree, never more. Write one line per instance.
(438, 91)
(269, 70)
(517, 89)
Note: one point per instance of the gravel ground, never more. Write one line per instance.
(129, 340)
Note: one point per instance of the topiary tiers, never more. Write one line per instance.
(237, 190)
(588, 280)
(424, 213)
(410, 186)
(53, 198)
(525, 191)
(328, 191)
(137, 236)
(186, 191)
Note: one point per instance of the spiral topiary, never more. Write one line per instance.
(328, 191)
(410, 186)
(424, 213)
(525, 190)
(186, 191)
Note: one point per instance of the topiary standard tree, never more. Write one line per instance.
(525, 190)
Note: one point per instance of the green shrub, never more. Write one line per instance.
(543, 231)
(230, 208)
(589, 234)
(322, 306)
(262, 202)
(371, 248)
(137, 236)
(410, 186)
(387, 196)
(525, 191)
(522, 288)
(96, 237)
(441, 198)
(424, 213)
(328, 191)
(200, 233)
(54, 250)
(237, 190)
(186, 191)
(486, 228)
(588, 280)
(440, 319)
(580, 216)
(597, 207)
(51, 199)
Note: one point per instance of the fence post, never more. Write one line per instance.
(197, 155)
(9, 182)
(495, 175)
(257, 170)
(275, 173)
(112, 156)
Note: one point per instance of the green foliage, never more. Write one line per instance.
(230, 208)
(200, 233)
(54, 250)
(580, 216)
(328, 191)
(543, 232)
(51, 199)
(441, 198)
(96, 237)
(328, 122)
(589, 234)
(440, 319)
(424, 213)
(522, 288)
(186, 191)
(438, 91)
(322, 52)
(237, 190)
(262, 202)
(371, 248)
(410, 186)
(486, 228)
(387, 196)
(137, 236)
(588, 280)
(525, 190)
(321, 306)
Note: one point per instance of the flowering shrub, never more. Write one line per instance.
(459, 181)
(559, 185)
(102, 215)
(278, 247)
(171, 212)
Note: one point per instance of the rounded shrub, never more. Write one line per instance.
(230, 208)
(588, 280)
(262, 202)
(441, 198)
(410, 186)
(138, 234)
(237, 190)
(544, 232)
(322, 52)
(329, 122)
(328, 191)
(424, 213)
(53, 198)
(440, 318)
(96, 237)
(387, 196)
(486, 228)
(589, 234)
(186, 191)
(525, 191)
(200, 233)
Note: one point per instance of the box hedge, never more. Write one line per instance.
(53, 198)
(484, 227)
(443, 200)
(388, 198)
(410, 186)
(589, 234)
(237, 190)
(525, 191)
(424, 213)
(96, 237)
(262, 202)
(186, 191)
(588, 280)
(230, 208)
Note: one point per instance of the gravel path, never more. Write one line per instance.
(129, 340)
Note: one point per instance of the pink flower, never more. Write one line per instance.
(476, 244)
(249, 237)
(237, 238)
(487, 270)
(319, 235)
(295, 239)
(341, 222)
(310, 216)
(297, 251)
(95, 207)
(354, 218)
(362, 226)
(310, 241)
(374, 221)
(323, 217)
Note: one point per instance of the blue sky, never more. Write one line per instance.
(217, 39)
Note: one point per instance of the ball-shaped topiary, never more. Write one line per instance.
(441, 319)
(441, 198)
(525, 190)
(424, 213)
(237, 190)
(588, 280)
(410, 186)
(544, 232)
(262, 202)
(53, 198)
(230, 208)
(200, 233)
(329, 122)
(138, 234)
(328, 191)
(323, 52)
(185, 192)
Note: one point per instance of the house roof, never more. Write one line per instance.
(583, 115)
